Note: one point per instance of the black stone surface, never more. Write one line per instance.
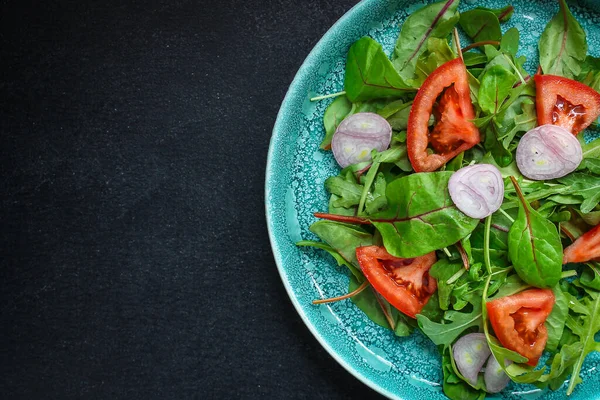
(134, 256)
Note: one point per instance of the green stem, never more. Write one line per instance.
(456, 276)
(506, 215)
(447, 252)
(486, 245)
(369, 179)
(516, 69)
(328, 96)
(568, 274)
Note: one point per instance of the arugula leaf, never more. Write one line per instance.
(438, 52)
(419, 206)
(434, 20)
(591, 149)
(334, 114)
(495, 85)
(399, 120)
(555, 323)
(563, 45)
(480, 25)
(370, 74)
(503, 14)
(590, 277)
(587, 186)
(534, 246)
(591, 164)
(348, 192)
(445, 334)
(443, 270)
(585, 326)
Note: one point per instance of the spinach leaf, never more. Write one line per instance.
(510, 41)
(367, 303)
(534, 246)
(503, 13)
(590, 73)
(370, 74)
(472, 58)
(419, 206)
(344, 238)
(446, 334)
(434, 20)
(495, 85)
(563, 45)
(587, 186)
(334, 114)
(555, 323)
(438, 52)
(480, 25)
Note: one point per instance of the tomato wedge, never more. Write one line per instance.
(585, 248)
(453, 131)
(518, 321)
(404, 282)
(565, 102)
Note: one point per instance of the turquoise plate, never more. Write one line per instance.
(400, 368)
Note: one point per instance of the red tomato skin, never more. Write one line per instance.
(585, 248)
(452, 72)
(534, 306)
(402, 297)
(549, 87)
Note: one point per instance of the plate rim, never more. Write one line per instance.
(269, 176)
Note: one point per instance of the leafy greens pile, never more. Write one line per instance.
(477, 260)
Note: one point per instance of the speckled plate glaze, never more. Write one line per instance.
(400, 368)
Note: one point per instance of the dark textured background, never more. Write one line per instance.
(134, 255)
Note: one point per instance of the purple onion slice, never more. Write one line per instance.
(494, 377)
(357, 135)
(548, 152)
(477, 190)
(470, 353)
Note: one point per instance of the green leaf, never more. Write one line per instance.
(590, 73)
(480, 25)
(367, 303)
(419, 206)
(591, 164)
(443, 270)
(370, 74)
(510, 41)
(495, 85)
(591, 149)
(534, 246)
(438, 52)
(454, 387)
(590, 277)
(348, 192)
(563, 45)
(434, 20)
(584, 185)
(503, 14)
(472, 58)
(337, 256)
(334, 114)
(585, 327)
(399, 120)
(343, 238)
(555, 323)
(445, 334)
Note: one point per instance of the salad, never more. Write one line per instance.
(466, 206)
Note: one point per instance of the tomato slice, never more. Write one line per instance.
(453, 131)
(404, 282)
(565, 102)
(585, 248)
(518, 321)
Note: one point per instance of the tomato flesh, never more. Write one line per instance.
(566, 103)
(518, 321)
(454, 131)
(404, 282)
(585, 248)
